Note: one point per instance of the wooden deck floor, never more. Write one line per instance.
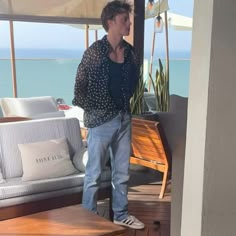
(145, 204)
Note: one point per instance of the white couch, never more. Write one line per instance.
(37, 108)
(19, 197)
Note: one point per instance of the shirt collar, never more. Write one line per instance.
(108, 46)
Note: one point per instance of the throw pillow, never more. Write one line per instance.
(47, 159)
(81, 161)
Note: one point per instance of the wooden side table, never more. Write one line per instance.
(72, 220)
(84, 133)
(13, 119)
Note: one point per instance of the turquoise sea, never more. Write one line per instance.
(52, 72)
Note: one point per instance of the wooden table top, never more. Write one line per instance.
(70, 221)
(13, 119)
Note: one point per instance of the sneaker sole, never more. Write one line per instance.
(130, 226)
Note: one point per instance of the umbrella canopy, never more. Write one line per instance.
(90, 26)
(158, 7)
(53, 11)
(178, 22)
(77, 11)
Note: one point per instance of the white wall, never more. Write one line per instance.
(210, 163)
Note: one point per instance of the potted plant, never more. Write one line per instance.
(136, 101)
(161, 88)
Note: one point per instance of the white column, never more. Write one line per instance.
(209, 195)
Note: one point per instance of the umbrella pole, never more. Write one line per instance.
(86, 36)
(167, 44)
(167, 52)
(151, 59)
(96, 35)
(13, 61)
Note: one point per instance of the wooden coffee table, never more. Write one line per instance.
(72, 220)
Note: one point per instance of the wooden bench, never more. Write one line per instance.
(149, 148)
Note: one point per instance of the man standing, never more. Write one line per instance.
(105, 81)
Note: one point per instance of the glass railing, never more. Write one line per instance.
(55, 77)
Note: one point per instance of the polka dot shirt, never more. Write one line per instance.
(92, 91)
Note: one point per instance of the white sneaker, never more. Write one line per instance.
(130, 221)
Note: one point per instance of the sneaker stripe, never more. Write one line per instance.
(131, 222)
(128, 221)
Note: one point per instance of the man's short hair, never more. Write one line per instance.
(112, 9)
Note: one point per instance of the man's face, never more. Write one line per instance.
(120, 24)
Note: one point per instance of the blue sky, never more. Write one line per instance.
(38, 35)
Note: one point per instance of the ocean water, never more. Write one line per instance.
(52, 72)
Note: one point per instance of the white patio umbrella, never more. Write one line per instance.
(157, 7)
(175, 21)
(179, 22)
(160, 7)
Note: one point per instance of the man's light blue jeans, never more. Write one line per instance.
(114, 134)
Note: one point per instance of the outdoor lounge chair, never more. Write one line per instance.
(149, 148)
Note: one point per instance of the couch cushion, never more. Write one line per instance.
(15, 187)
(11, 134)
(47, 159)
(28, 107)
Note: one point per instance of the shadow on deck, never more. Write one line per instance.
(144, 188)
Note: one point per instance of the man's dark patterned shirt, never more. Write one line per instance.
(92, 92)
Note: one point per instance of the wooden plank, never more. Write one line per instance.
(154, 140)
(147, 164)
(150, 154)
